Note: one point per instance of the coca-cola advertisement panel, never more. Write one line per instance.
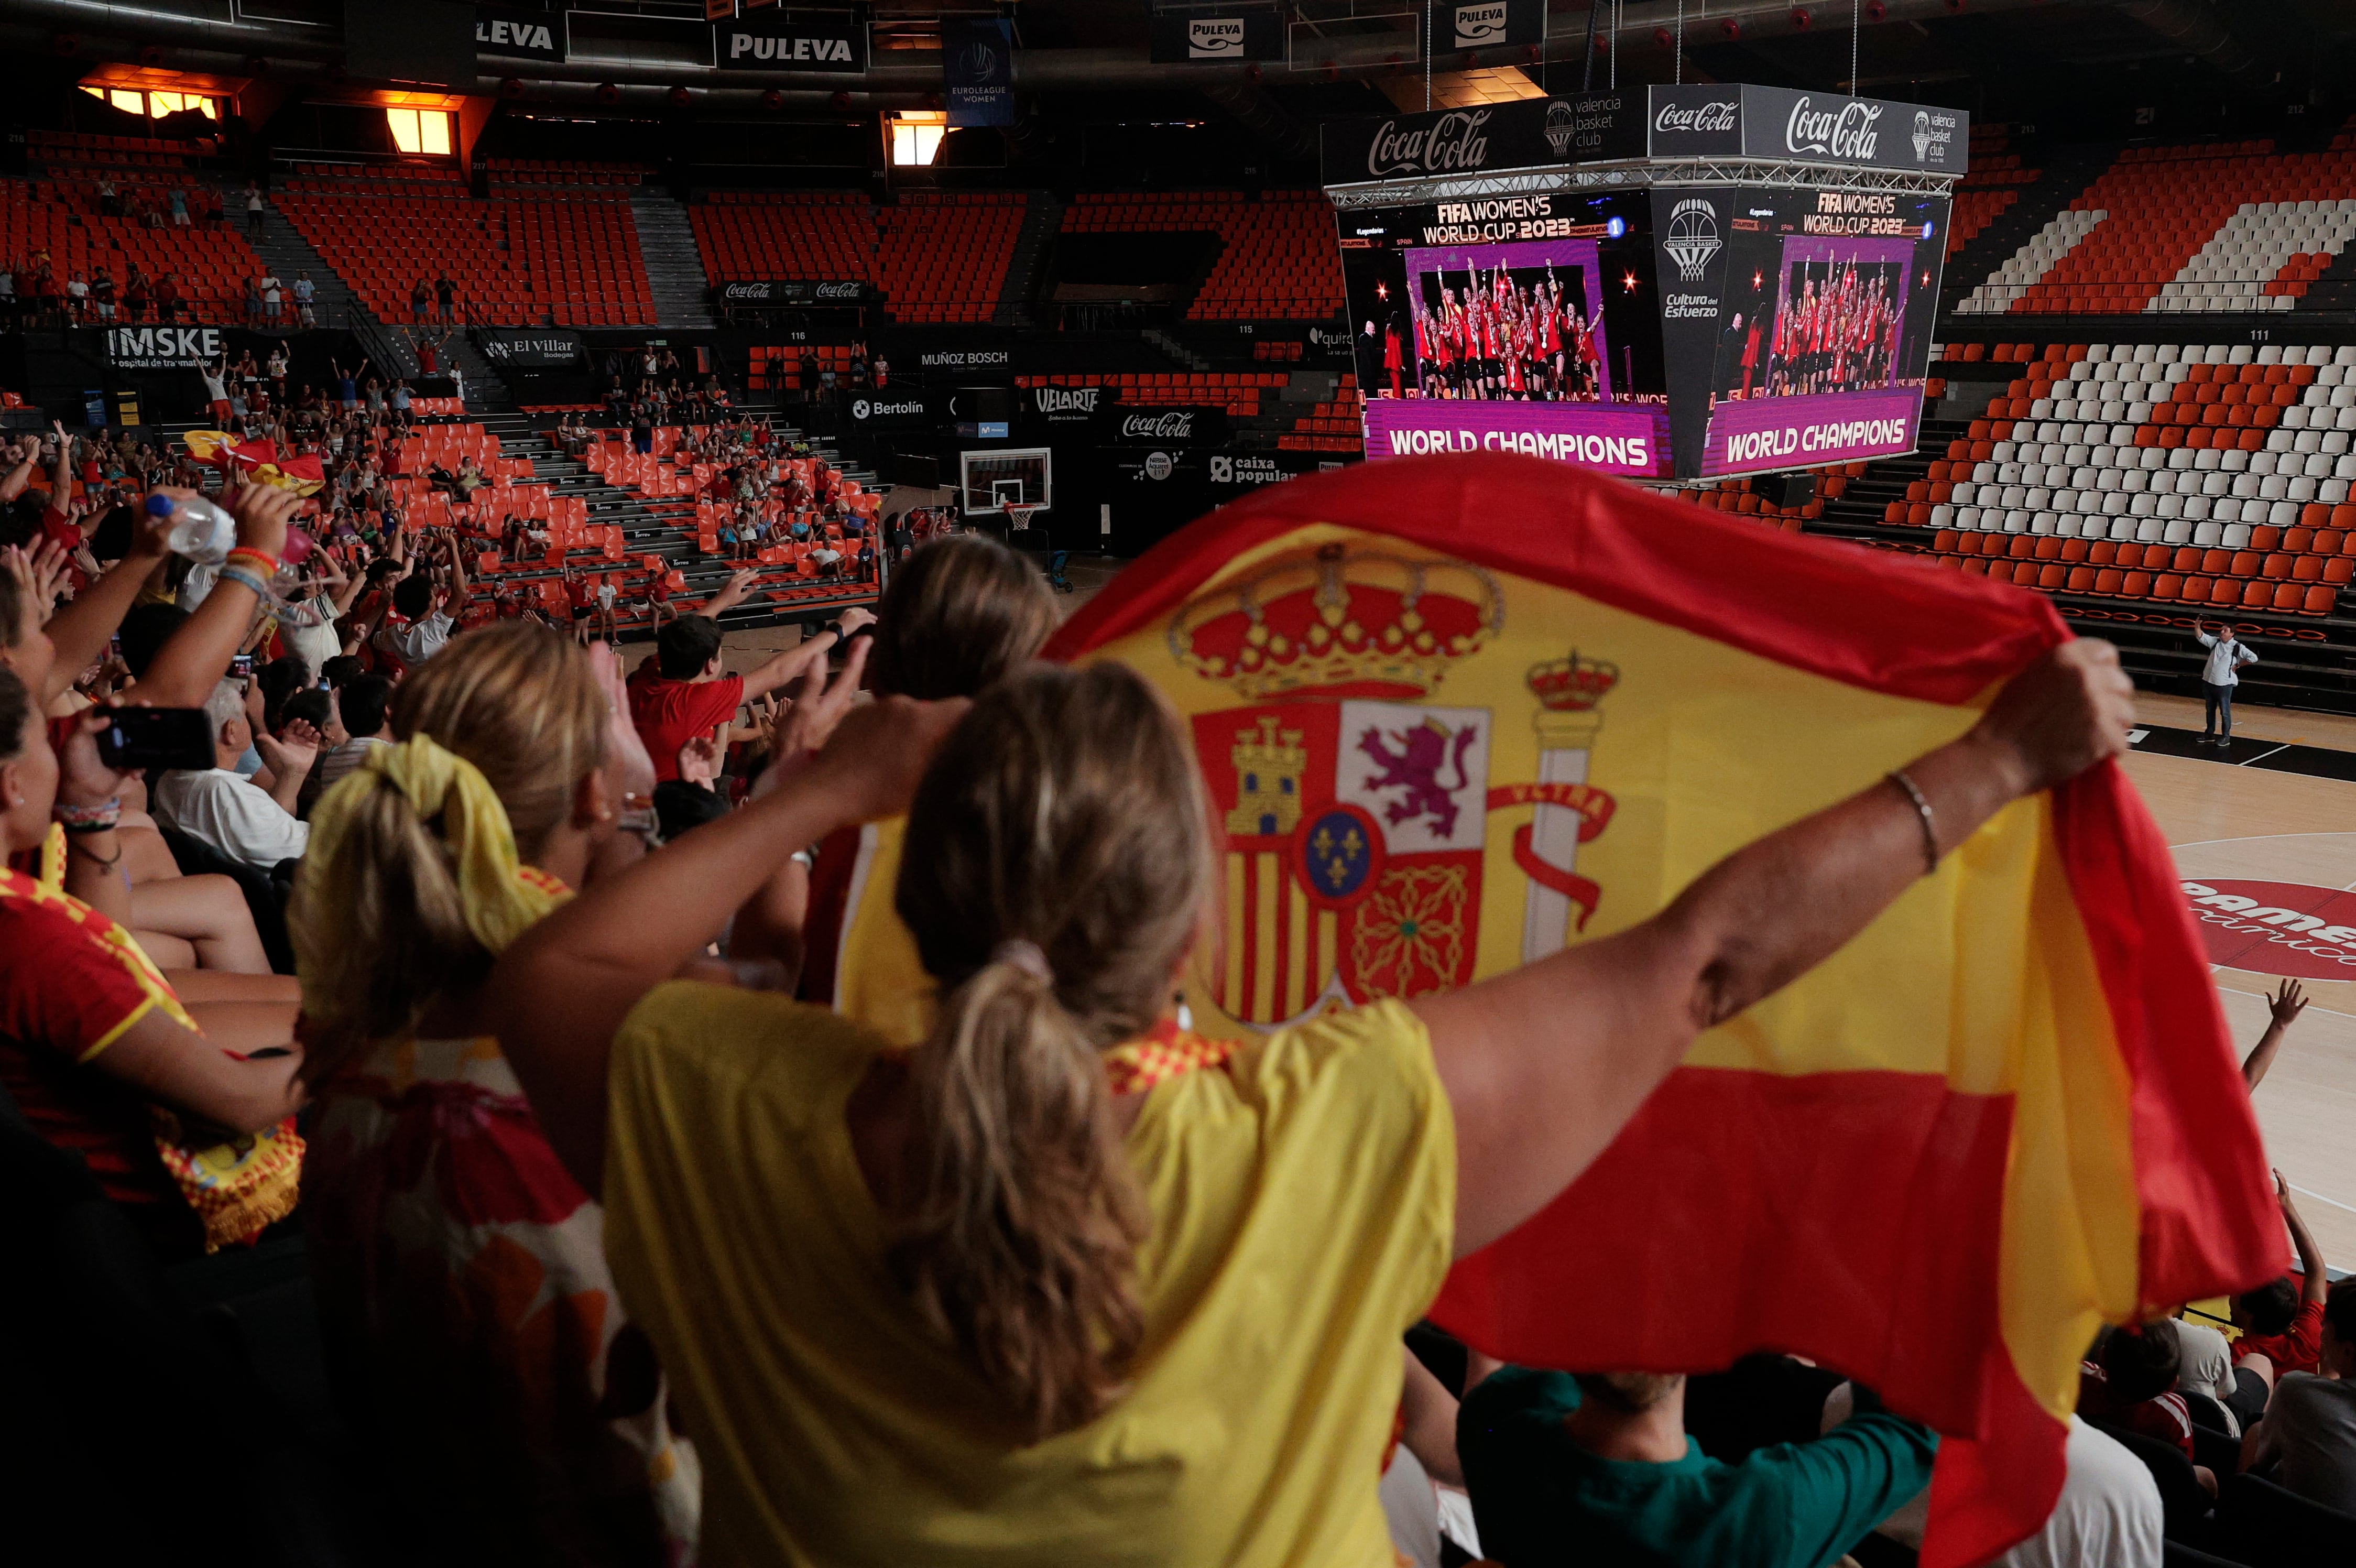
(1136, 424)
(1695, 121)
(1859, 133)
(1582, 127)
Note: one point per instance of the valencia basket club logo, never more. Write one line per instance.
(1693, 237)
(1358, 799)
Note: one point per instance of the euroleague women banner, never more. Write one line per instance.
(1456, 713)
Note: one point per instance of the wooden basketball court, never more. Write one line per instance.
(2239, 821)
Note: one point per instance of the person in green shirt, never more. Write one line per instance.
(1597, 1468)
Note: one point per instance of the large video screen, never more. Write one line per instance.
(1798, 323)
(1524, 324)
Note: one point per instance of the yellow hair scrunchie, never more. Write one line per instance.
(501, 901)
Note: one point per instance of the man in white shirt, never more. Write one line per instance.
(2205, 1366)
(430, 623)
(2227, 655)
(247, 824)
(2108, 1515)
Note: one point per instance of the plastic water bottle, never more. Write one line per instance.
(205, 534)
(200, 530)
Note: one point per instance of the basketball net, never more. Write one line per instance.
(1018, 516)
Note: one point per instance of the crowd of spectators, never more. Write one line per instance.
(564, 1008)
(32, 294)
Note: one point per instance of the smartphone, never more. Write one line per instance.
(136, 739)
(240, 665)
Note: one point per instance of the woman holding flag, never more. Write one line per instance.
(1067, 1281)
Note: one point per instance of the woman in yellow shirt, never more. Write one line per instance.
(1064, 1285)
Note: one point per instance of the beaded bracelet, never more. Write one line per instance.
(263, 560)
(87, 819)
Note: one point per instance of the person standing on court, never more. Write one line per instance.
(2227, 655)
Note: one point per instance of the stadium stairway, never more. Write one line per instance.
(284, 250)
(660, 526)
(1018, 297)
(1175, 349)
(674, 268)
(2069, 171)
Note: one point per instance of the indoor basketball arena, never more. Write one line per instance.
(1178, 783)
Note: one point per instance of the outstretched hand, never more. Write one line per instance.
(625, 750)
(292, 750)
(2287, 1004)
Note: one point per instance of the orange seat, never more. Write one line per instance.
(2167, 586)
(2214, 562)
(2135, 585)
(2319, 601)
(2246, 563)
(2257, 595)
(2263, 538)
(2288, 595)
(2082, 580)
(2052, 575)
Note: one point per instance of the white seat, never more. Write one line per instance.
(2207, 534)
(2331, 492)
(1967, 517)
(1942, 516)
(2178, 533)
(2149, 531)
(2018, 520)
(2283, 514)
(2303, 488)
(2235, 536)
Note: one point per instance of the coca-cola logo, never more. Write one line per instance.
(1451, 143)
(1716, 115)
(1175, 426)
(1848, 132)
(837, 291)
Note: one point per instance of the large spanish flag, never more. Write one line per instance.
(1455, 713)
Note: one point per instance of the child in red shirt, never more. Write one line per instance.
(2283, 1319)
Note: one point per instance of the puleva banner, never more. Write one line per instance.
(1454, 713)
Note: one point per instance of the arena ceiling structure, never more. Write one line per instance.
(2164, 64)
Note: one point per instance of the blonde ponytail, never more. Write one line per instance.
(414, 880)
(1054, 872)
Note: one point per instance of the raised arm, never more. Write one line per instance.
(81, 629)
(2311, 1256)
(20, 471)
(193, 660)
(1545, 1065)
(561, 991)
(806, 655)
(2285, 1005)
(739, 588)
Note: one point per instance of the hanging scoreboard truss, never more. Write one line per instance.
(1676, 283)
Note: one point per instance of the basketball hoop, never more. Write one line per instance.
(1018, 516)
